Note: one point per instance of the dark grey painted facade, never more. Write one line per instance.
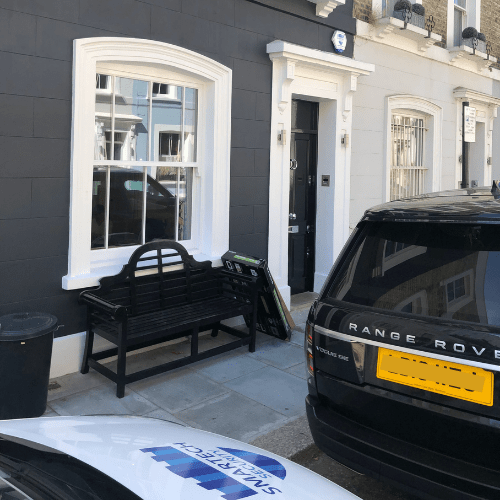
(35, 108)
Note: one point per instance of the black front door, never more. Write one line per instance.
(302, 215)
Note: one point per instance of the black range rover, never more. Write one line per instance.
(403, 347)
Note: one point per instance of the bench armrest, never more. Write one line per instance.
(116, 311)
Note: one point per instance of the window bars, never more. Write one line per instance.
(407, 157)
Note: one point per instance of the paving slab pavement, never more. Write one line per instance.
(254, 397)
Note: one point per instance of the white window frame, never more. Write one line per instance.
(456, 304)
(380, 10)
(397, 258)
(459, 8)
(422, 296)
(158, 61)
(408, 104)
(472, 18)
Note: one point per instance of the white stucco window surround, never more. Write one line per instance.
(156, 61)
(331, 80)
(433, 114)
(479, 151)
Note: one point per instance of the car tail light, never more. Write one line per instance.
(309, 361)
(309, 333)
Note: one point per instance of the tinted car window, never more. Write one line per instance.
(437, 270)
(29, 471)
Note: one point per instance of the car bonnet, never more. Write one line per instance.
(161, 460)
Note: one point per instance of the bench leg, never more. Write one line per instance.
(253, 324)
(89, 343)
(194, 342)
(121, 365)
(253, 331)
(215, 330)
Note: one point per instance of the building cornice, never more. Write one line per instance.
(324, 8)
(286, 56)
(473, 95)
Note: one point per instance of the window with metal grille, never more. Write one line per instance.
(407, 156)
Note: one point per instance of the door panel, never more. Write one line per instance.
(302, 214)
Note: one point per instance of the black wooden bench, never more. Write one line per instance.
(164, 294)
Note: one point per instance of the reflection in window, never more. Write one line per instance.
(169, 146)
(393, 247)
(150, 122)
(455, 289)
(442, 270)
(9, 488)
(102, 82)
(417, 304)
(118, 215)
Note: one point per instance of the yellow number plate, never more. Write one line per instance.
(451, 379)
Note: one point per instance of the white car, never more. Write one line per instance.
(130, 458)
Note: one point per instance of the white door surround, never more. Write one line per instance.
(486, 112)
(331, 80)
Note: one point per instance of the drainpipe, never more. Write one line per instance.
(465, 164)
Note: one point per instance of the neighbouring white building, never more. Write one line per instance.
(407, 114)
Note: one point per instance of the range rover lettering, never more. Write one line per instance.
(403, 347)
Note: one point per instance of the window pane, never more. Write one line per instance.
(103, 111)
(99, 207)
(185, 203)
(456, 266)
(458, 20)
(10, 492)
(102, 82)
(131, 119)
(167, 124)
(169, 144)
(125, 206)
(190, 124)
(461, 3)
(161, 201)
(407, 170)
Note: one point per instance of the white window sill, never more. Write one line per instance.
(100, 269)
(466, 52)
(391, 25)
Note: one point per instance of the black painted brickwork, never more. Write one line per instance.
(35, 119)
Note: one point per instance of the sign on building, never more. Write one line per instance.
(469, 124)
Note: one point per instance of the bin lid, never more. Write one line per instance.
(26, 325)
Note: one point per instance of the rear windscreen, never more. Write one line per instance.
(449, 271)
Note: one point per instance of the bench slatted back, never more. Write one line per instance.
(159, 274)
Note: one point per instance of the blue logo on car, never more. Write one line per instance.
(229, 470)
